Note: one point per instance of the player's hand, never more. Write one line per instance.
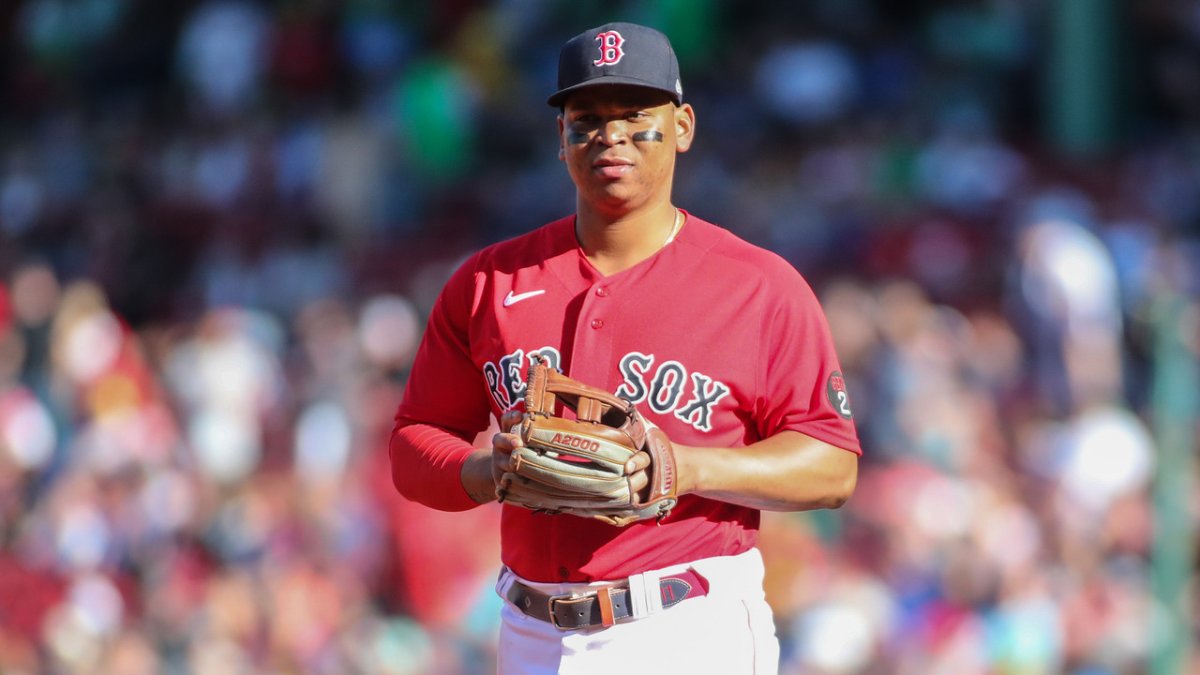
(503, 443)
(635, 468)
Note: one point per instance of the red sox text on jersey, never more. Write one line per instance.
(665, 388)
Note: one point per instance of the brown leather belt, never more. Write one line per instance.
(603, 606)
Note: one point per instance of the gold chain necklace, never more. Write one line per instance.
(675, 227)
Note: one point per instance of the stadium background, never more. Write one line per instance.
(222, 223)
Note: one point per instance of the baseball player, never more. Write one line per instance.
(719, 344)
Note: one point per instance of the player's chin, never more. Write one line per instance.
(627, 182)
(615, 195)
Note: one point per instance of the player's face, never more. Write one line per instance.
(619, 144)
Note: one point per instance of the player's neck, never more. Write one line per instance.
(616, 242)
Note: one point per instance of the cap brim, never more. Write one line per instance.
(559, 97)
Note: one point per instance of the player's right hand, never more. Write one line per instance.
(503, 443)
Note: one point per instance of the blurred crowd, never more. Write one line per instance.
(222, 223)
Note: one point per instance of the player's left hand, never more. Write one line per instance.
(636, 468)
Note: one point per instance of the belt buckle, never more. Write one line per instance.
(550, 600)
(602, 596)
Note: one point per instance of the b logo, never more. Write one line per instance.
(610, 48)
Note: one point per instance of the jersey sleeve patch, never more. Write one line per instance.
(835, 389)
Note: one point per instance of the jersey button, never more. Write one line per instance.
(602, 292)
(563, 573)
(597, 323)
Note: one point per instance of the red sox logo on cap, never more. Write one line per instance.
(617, 53)
(610, 48)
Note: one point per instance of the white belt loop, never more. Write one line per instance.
(505, 582)
(645, 597)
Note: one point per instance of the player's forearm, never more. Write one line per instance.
(428, 467)
(476, 476)
(787, 472)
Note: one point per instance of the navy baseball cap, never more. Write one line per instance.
(618, 53)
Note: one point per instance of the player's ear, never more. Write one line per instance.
(562, 147)
(685, 127)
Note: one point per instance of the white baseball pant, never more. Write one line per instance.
(730, 630)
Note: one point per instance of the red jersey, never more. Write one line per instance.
(719, 342)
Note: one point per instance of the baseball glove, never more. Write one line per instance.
(577, 466)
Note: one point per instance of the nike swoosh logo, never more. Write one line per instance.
(511, 299)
